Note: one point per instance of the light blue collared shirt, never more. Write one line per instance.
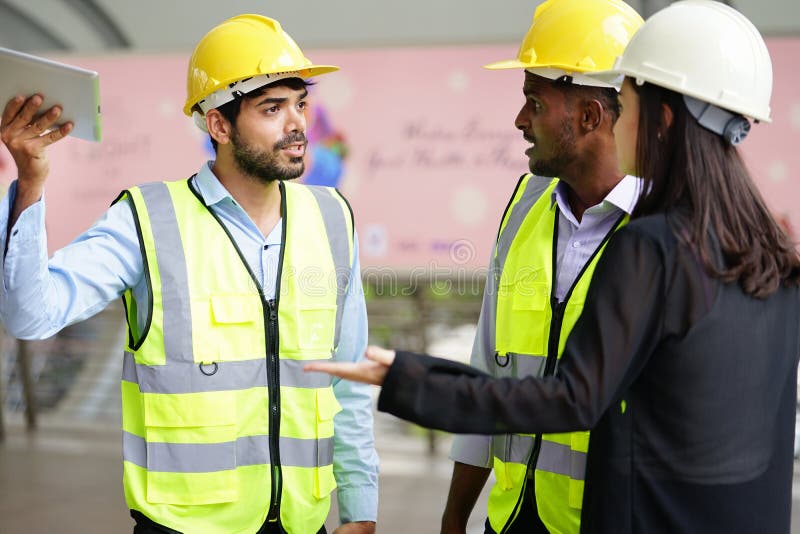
(40, 297)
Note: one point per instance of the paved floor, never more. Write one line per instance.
(63, 478)
(66, 476)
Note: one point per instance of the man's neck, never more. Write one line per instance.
(260, 200)
(590, 185)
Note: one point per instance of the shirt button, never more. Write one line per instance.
(266, 247)
(576, 244)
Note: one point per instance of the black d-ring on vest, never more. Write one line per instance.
(503, 360)
(214, 367)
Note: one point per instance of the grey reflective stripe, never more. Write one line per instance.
(210, 457)
(534, 189)
(191, 457)
(562, 460)
(187, 377)
(129, 368)
(528, 364)
(172, 270)
(339, 239)
(292, 374)
(553, 457)
(513, 448)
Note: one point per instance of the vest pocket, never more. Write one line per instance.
(579, 445)
(324, 482)
(576, 493)
(234, 331)
(307, 330)
(522, 326)
(191, 448)
(327, 408)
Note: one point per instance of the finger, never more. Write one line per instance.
(12, 108)
(341, 369)
(28, 111)
(43, 122)
(380, 355)
(58, 134)
(366, 372)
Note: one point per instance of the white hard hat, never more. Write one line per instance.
(703, 49)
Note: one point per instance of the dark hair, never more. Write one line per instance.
(606, 96)
(230, 110)
(701, 179)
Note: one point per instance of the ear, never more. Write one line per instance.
(666, 115)
(218, 127)
(592, 115)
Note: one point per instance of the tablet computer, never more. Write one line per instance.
(76, 90)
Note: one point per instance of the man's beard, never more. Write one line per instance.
(564, 149)
(265, 166)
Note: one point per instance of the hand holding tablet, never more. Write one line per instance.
(75, 90)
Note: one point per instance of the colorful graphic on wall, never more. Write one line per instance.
(327, 148)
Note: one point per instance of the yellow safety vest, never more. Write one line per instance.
(222, 429)
(530, 331)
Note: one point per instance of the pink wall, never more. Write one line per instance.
(433, 153)
(772, 151)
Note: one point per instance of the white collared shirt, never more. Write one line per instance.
(577, 240)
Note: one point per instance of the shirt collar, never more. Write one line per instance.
(622, 197)
(209, 186)
(213, 192)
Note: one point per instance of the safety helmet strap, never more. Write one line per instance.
(733, 127)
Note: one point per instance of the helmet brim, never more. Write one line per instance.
(517, 64)
(316, 70)
(309, 71)
(615, 77)
(507, 64)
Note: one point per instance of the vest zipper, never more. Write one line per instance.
(273, 386)
(272, 341)
(553, 340)
(549, 369)
(557, 322)
(553, 336)
(274, 379)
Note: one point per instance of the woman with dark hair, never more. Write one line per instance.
(684, 360)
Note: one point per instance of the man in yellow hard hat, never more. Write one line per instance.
(232, 280)
(551, 235)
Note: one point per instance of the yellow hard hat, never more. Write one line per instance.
(575, 36)
(242, 48)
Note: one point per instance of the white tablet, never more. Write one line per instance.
(76, 90)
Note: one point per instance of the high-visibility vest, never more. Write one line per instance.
(222, 429)
(530, 331)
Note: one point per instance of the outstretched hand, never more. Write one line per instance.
(27, 131)
(370, 371)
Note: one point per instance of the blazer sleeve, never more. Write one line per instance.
(619, 328)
